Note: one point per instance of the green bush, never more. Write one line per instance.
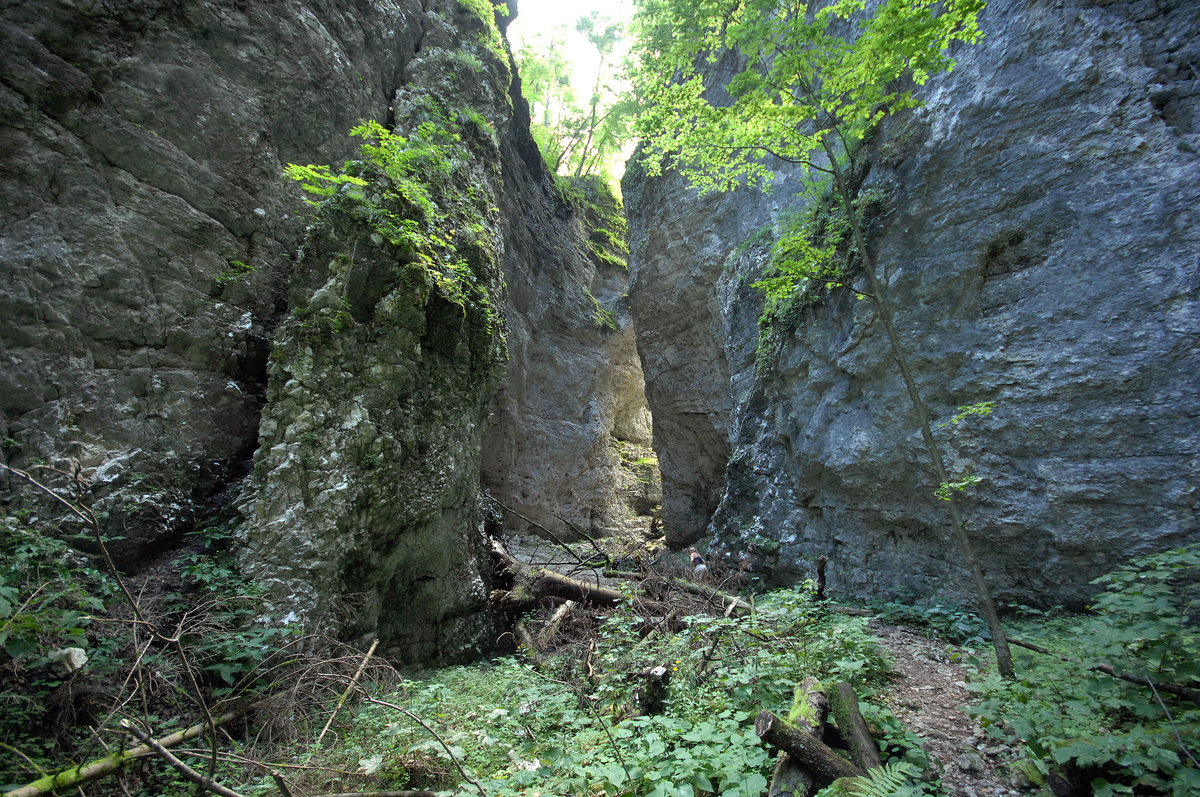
(1101, 732)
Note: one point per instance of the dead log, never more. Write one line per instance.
(789, 779)
(651, 693)
(808, 751)
(77, 776)
(546, 635)
(730, 604)
(513, 602)
(843, 704)
(525, 638)
(545, 582)
(810, 708)
(203, 781)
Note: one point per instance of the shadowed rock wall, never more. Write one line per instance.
(170, 308)
(570, 421)
(145, 230)
(1040, 240)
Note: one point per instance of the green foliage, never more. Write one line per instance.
(47, 593)
(237, 269)
(523, 730)
(320, 180)
(1106, 734)
(806, 71)
(578, 136)
(964, 481)
(894, 779)
(412, 193)
(945, 490)
(488, 35)
(978, 409)
(811, 256)
(230, 644)
(948, 621)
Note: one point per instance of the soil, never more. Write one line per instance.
(929, 696)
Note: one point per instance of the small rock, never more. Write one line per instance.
(65, 661)
(970, 761)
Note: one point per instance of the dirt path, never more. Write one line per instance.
(928, 695)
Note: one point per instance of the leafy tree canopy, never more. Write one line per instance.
(794, 75)
(578, 136)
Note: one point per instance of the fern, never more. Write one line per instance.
(894, 779)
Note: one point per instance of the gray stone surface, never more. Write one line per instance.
(570, 420)
(142, 144)
(362, 515)
(1041, 243)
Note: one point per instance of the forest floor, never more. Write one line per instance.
(929, 695)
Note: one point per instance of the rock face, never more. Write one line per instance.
(570, 439)
(362, 513)
(171, 308)
(1040, 241)
(145, 227)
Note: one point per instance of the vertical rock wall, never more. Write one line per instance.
(1040, 240)
(362, 515)
(166, 312)
(145, 226)
(571, 421)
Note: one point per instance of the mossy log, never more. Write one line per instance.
(544, 582)
(86, 773)
(810, 708)
(843, 704)
(808, 751)
(731, 604)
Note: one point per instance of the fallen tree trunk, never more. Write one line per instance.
(547, 582)
(546, 635)
(810, 708)
(203, 781)
(1178, 690)
(789, 779)
(731, 604)
(73, 778)
(809, 751)
(843, 704)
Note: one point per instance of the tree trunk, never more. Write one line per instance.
(547, 582)
(546, 635)
(844, 705)
(73, 778)
(809, 751)
(884, 306)
(731, 604)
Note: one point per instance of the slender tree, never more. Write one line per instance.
(578, 138)
(729, 86)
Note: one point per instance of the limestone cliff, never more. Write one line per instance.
(570, 424)
(145, 227)
(1040, 238)
(172, 309)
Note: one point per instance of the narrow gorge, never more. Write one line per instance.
(453, 344)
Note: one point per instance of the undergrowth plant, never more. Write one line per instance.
(82, 649)
(566, 726)
(1097, 731)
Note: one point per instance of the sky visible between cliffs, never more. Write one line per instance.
(535, 17)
